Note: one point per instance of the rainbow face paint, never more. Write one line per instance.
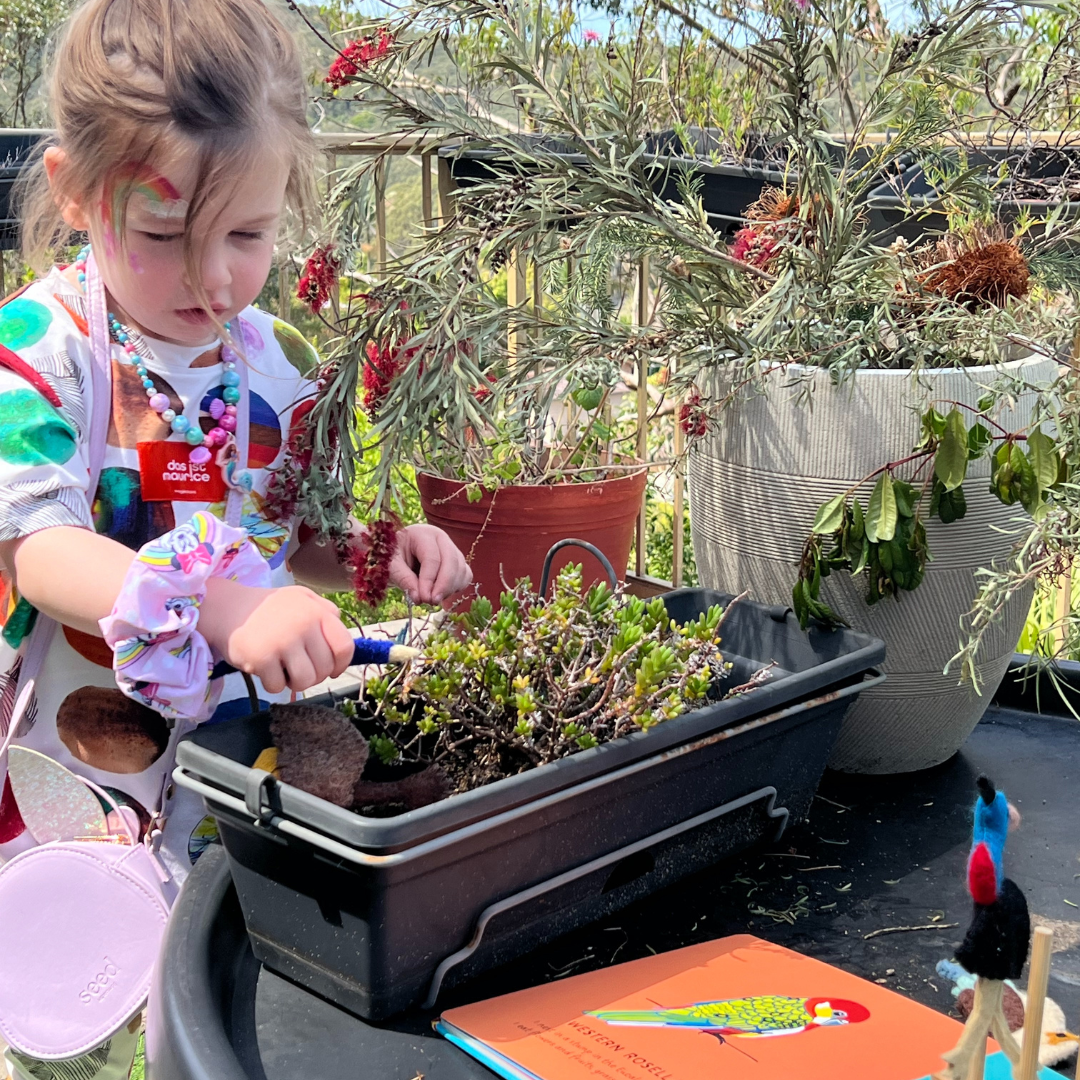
(139, 185)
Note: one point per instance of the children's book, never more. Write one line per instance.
(738, 1008)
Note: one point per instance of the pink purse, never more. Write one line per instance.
(81, 921)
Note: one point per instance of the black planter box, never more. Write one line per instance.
(727, 188)
(376, 914)
(909, 205)
(15, 148)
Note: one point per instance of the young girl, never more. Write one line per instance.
(180, 139)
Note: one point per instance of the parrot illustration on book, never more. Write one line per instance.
(748, 1017)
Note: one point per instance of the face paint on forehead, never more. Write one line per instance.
(138, 185)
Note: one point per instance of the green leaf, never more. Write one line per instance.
(830, 516)
(1001, 474)
(858, 524)
(951, 460)
(881, 512)
(1044, 458)
(1030, 495)
(979, 438)
(474, 493)
(906, 498)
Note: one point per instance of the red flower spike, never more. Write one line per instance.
(982, 876)
(357, 56)
(753, 246)
(693, 418)
(319, 279)
(368, 558)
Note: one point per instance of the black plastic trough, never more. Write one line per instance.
(377, 914)
(910, 204)
(727, 187)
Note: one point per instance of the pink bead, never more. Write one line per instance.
(159, 402)
(217, 436)
(228, 423)
(217, 408)
(129, 348)
(200, 455)
(230, 410)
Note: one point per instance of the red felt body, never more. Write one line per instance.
(982, 876)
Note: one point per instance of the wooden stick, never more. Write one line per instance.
(977, 1068)
(1038, 981)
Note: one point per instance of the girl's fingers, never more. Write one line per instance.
(300, 668)
(272, 675)
(319, 654)
(454, 573)
(339, 641)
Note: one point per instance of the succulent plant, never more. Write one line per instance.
(500, 691)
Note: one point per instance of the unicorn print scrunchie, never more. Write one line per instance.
(159, 657)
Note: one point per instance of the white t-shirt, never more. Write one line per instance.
(79, 717)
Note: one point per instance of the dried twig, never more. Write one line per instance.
(906, 929)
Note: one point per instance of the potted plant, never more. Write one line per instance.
(437, 824)
(887, 386)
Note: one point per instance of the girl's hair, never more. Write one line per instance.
(132, 79)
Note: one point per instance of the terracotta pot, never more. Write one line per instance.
(508, 540)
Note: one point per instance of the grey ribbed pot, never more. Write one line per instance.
(755, 487)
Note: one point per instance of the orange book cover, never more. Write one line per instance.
(739, 1007)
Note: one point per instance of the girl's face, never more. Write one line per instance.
(144, 269)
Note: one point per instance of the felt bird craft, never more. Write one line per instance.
(749, 1017)
(996, 944)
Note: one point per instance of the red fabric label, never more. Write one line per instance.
(166, 474)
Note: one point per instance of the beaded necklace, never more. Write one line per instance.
(223, 410)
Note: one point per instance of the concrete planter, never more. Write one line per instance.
(756, 485)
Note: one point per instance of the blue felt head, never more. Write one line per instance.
(992, 823)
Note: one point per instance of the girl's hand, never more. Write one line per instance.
(427, 565)
(287, 637)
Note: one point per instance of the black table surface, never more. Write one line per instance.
(876, 853)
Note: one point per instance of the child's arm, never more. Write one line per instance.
(287, 637)
(426, 564)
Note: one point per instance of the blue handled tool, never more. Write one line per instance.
(365, 651)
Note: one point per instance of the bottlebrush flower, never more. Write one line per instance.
(379, 371)
(368, 559)
(319, 278)
(753, 246)
(693, 418)
(484, 391)
(357, 56)
(592, 37)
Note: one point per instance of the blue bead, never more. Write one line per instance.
(231, 395)
(148, 383)
(230, 378)
(181, 424)
(123, 338)
(194, 436)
